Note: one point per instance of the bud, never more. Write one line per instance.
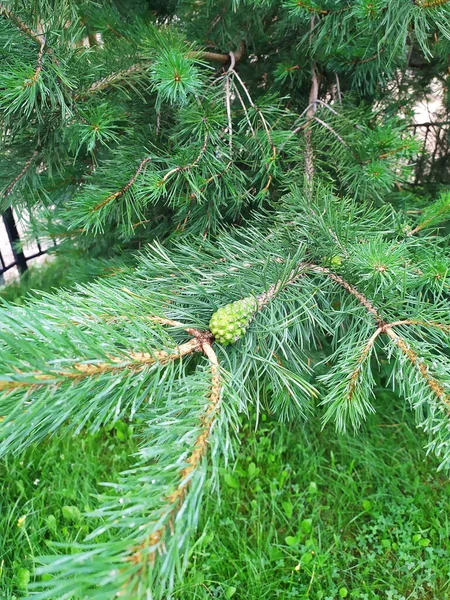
(230, 322)
(337, 260)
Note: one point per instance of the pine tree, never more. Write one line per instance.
(258, 155)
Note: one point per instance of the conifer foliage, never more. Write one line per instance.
(257, 155)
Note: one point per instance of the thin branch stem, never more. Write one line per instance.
(335, 112)
(228, 105)
(134, 361)
(430, 3)
(425, 223)
(364, 354)
(22, 173)
(140, 554)
(36, 36)
(190, 166)
(336, 135)
(421, 367)
(312, 9)
(258, 110)
(40, 56)
(351, 289)
(441, 326)
(238, 94)
(313, 96)
(125, 188)
(123, 74)
(338, 89)
(105, 82)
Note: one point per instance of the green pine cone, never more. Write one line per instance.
(230, 322)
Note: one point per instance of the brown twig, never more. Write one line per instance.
(16, 180)
(330, 129)
(126, 187)
(425, 223)
(351, 289)
(312, 9)
(362, 61)
(134, 361)
(36, 36)
(26, 29)
(430, 3)
(415, 360)
(123, 74)
(191, 165)
(105, 82)
(141, 553)
(313, 96)
(217, 57)
(338, 89)
(40, 57)
(364, 354)
(441, 326)
(340, 115)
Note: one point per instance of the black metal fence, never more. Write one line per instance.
(433, 165)
(20, 260)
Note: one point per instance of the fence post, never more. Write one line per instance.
(13, 236)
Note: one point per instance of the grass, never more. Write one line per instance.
(310, 514)
(44, 495)
(303, 513)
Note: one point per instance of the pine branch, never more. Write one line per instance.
(429, 3)
(22, 173)
(36, 36)
(363, 356)
(382, 327)
(123, 74)
(125, 188)
(331, 130)
(140, 554)
(191, 165)
(26, 29)
(387, 328)
(134, 361)
(419, 364)
(111, 79)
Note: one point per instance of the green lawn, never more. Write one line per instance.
(303, 513)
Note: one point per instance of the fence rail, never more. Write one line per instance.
(20, 259)
(433, 165)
